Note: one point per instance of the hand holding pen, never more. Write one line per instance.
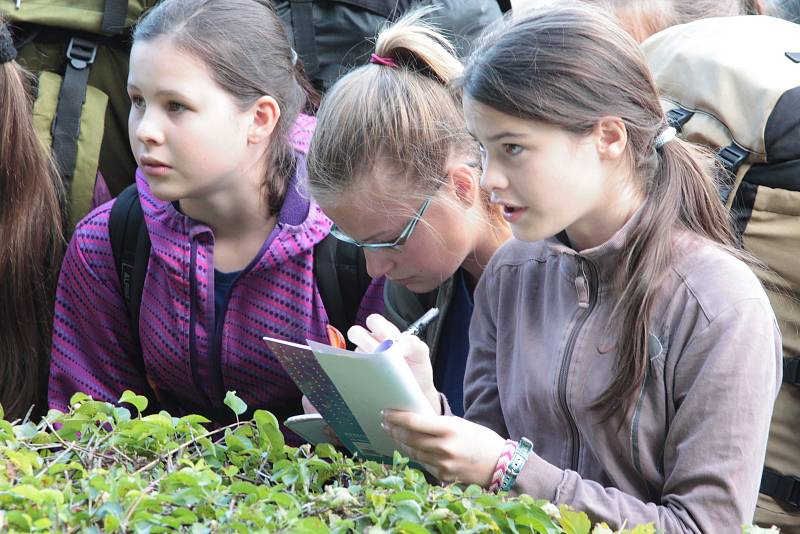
(415, 352)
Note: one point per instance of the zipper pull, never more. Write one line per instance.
(582, 285)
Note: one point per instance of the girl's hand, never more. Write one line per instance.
(414, 350)
(450, 448)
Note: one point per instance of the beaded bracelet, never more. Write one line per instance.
(502, 464)
(516, 464)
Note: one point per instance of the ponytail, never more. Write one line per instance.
(398, 111)
(681, 194)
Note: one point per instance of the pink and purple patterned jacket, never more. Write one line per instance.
(191, 362)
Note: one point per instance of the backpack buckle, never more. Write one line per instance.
(81, 53)
(732, 157)
(677, 117)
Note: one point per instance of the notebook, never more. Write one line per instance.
(349, 389)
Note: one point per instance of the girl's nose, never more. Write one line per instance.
(378, 263)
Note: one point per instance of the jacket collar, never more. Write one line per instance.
(605, 256)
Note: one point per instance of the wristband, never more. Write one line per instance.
(502, 464)
(518, 460)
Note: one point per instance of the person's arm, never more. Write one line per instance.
(92, 350)
(725, 382)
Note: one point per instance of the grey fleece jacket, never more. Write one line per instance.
(690, 457)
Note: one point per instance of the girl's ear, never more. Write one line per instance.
(612, 138)
(465, 183)
(265, 115)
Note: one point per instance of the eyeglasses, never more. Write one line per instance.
(401, 239)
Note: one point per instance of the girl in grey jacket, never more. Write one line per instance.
(627, 366)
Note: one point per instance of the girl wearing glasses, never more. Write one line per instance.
(624, 360)
(392, 165)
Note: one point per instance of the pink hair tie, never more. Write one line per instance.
(386, 61)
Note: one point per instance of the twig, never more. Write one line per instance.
(184, 445)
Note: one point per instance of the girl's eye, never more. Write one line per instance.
(137, 101)
(512, 149)
(176, 107)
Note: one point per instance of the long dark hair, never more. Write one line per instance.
(247, 52)
(31, 246)
(570, 65)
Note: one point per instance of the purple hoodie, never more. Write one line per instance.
(191, 363)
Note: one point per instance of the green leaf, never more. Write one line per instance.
(269, 434)
(235, 403)
(139, 401)
(408, 527)
(574, 522)
(78, 398)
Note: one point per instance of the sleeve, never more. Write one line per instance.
(92, 351)
(481, 396)
(724, 386)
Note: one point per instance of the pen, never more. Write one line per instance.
(414, 328)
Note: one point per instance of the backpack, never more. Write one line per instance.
(733, 84)
(340, 271)
(79, 51)
(86, 44)
(333, 36)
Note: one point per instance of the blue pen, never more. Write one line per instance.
(414, 329)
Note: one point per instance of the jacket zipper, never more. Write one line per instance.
(193, 321)
(591, 281)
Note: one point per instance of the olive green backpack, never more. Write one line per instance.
(733, 84)
(79, 51)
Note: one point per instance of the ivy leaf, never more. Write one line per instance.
(269, 433)
(235, 403)
(574, 522)
(139, 401)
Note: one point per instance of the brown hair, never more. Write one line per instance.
(31, 246)
(247, 52)
(405, 116)
(587, 68)
(652, 16)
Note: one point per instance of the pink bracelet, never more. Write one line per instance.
(502, 464)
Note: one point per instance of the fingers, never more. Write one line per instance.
(381, 327)
(362, 339)
(378, 329)
(421, 425)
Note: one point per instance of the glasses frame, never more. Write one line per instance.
(394, 245)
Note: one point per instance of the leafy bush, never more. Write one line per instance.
(98, 469)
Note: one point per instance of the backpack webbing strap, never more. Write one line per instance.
(130, 244)
(114, 14)
(791, 371)
(66, 125)
(784, 488)
(305, 39)
(340, 271)
(505, 5)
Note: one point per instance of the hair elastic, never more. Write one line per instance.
(667, 135)
(379, 60)
(7, 50)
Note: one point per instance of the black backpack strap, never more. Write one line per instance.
(305, 38)
(114, 13)
(130, 244)
(340, 271)
(783, 488)
(505, 5)
(66, 126)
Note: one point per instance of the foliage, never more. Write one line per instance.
(97, 468)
